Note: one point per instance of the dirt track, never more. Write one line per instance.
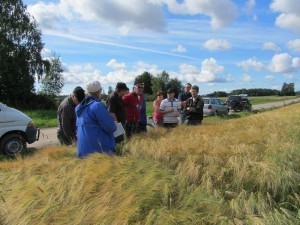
(48, 135)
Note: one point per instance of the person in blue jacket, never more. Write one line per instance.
(95, 127)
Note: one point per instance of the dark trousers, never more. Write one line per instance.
(132, 128)
(63, 139)
(170, 125)
(194, 122)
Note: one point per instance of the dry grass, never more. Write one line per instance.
(244, 171)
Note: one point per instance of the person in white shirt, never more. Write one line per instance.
(170, 108)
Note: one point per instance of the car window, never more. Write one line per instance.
(206, 101)
(220, 102)
(214, 102)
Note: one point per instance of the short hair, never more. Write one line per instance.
(159, 92)
(188, 84)
(195, 87)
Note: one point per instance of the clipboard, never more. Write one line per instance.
(120, 130)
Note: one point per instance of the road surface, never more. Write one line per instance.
(48, 135)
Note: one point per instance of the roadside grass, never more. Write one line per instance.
(242, 171)
(43, 118)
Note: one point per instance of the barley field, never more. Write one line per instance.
(241, 171)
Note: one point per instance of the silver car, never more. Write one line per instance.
(214, 107)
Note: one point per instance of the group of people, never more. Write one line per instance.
(90, 124)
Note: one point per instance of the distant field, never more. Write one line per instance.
(243, 171)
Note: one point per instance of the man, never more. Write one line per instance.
(193, 108)
(183, 97)
(133, 103)
(116, 106)
(95, 125)
(170, 107)
(66, 132)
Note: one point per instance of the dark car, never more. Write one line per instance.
(238, 102)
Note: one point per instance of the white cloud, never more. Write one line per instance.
(115, 65)
(214, 9)
(46, 53)
(251, 64)
(249, 5)
(179, 48)
(246, 78)
(290, 14)
(208, 73)
(284, 63)
(217, 44)
(270, 46)
(269, 77)
(294, 45)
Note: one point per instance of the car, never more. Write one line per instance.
(16, 130)
(238, 102)
(214, 106)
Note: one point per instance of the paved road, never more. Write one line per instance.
(48, 135)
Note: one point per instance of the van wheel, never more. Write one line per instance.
(13, 144)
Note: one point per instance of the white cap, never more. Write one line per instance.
(93, 86)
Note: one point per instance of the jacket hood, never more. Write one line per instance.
(84, 104)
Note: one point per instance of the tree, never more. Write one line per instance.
(110, 90)
(146, 78)
(288, 89)
(20, 53)
(163, 82)
(53, 82)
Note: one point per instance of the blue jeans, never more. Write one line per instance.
(182, 118)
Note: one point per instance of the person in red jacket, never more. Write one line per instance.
(133, 103)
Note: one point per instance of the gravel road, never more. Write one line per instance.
(48, 135)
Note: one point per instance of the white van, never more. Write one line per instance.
(16, 129)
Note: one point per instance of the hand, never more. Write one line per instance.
(188, 108)
(171, 110)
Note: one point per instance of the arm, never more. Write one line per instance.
(104, 120)
(111, 106)
(162, 110)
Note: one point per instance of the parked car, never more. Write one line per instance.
(214, 106)
(238, 102)
(16, 130)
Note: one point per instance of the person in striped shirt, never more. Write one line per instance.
(170, 108)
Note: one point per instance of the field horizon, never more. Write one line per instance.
(242, 171)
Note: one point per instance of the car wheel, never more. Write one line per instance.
(13, 144)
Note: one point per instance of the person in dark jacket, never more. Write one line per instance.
(116, 107)
(94, 124)
(193, 107)
(66, 132)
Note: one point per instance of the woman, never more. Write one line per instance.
(158, 118)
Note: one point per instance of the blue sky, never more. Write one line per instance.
(220, 45)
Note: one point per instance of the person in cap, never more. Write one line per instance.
(183, 97)
(116, 106)
(94, 124)
(193, 107)
(170, 108)
(133, 103)
(66, 132)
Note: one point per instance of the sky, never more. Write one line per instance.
(219, 45)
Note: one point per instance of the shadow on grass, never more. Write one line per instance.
(25, 153)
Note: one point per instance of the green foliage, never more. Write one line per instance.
(255, 92)
(163, 82)
(20, 48)
(146, 78)
(288, 89)
(53, 82)
(43, 118)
